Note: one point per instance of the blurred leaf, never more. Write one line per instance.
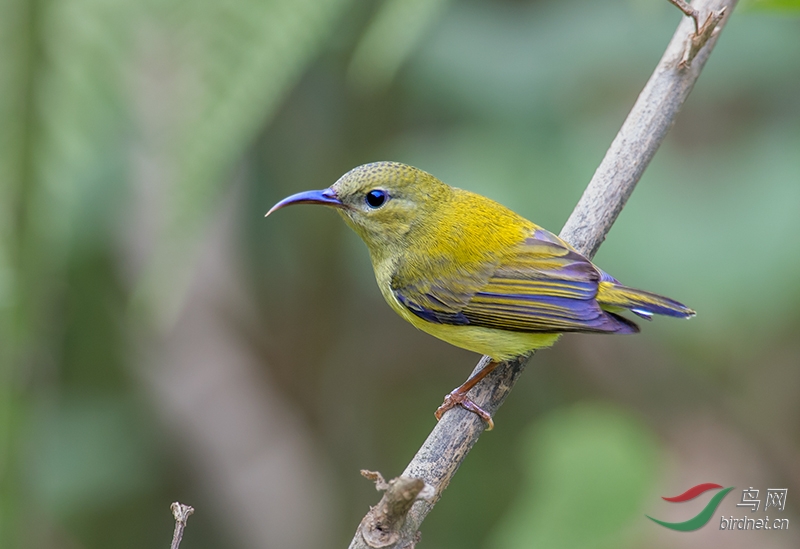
(13, 93)
(78, 123)
(65, 129)
(89, 452)
(13, 99)
(239, 60)
(536, 62)
(392, 34)
(61, 153)
(55, 129)
(15, 87)
(771, 5)
(6, 278)
(588, 470)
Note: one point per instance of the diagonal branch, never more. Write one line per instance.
(635, 145)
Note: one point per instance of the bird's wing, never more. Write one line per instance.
(540, 286)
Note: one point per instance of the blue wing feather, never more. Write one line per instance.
(541, 286)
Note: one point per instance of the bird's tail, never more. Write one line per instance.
(613, 296)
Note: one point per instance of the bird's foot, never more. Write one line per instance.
(457, 398)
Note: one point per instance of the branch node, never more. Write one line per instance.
(181, 513)
(375, 476)
(381, 526)
(701, 37)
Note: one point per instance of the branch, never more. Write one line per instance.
(635, 145)
(181, 513)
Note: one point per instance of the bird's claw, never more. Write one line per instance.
(461, 399)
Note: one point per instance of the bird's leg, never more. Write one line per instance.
(458, 397)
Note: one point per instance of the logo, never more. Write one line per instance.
(702, 518)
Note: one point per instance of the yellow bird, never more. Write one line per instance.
(471, 272)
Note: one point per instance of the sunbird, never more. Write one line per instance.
(471, 272)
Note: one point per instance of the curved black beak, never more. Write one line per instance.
(325, 197)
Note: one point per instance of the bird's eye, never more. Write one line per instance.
(376, 198)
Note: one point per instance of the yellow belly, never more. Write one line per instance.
(498, 344)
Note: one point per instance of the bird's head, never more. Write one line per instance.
(381, 201)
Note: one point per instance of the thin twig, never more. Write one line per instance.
(689, 11)
(702, 32)
(635, 145)
(181, 513)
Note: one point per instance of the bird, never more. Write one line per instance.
(471, 272)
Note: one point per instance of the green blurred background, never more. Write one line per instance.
(160, 340)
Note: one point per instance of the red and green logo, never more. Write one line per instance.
(702, 518)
